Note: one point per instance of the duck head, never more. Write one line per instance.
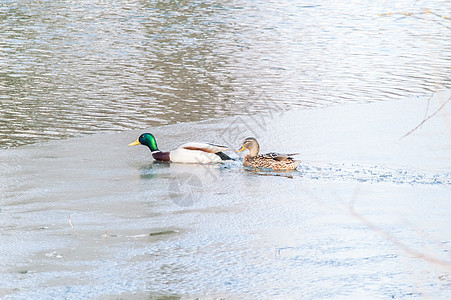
(146, 139)
(250, 144)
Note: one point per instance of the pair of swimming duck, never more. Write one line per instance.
(195, 152)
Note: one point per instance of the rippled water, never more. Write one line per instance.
(68, 68)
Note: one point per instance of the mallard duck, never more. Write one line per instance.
(192, 152)
(275, 161)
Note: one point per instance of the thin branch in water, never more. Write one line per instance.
(418, 15)
(427, 118)
(396, 242)
(72, 226)
(427, 107)
(350, 206)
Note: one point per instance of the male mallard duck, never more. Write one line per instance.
(192, 152)
(272, 160)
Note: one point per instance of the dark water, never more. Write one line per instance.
(69, 68)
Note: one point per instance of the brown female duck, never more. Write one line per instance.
(275, 161)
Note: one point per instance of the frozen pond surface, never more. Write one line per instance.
(365, 215)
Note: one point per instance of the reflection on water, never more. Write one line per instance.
(75, 67)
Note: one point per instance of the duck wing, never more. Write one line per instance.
(279, 156)
(205, 147)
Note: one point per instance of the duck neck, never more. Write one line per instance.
(152, 144)
(253, 151)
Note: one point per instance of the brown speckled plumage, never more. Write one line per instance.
(275, 161)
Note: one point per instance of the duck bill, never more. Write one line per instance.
(135, 143)
(241, 149)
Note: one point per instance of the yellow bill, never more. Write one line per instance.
(135, 143)
(242, 149)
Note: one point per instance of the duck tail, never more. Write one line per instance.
(223, 156)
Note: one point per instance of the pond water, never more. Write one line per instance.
(365, 215)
